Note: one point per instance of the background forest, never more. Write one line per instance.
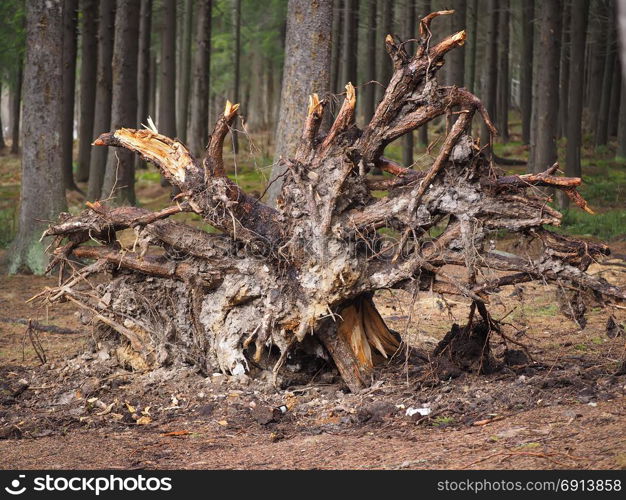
(548, 71)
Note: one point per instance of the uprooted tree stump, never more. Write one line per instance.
(298, 279)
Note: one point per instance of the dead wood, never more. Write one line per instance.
(274, 286)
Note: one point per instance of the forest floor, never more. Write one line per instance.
(562, 407)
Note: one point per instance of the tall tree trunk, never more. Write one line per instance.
(119, 178)
(490, 89)
(154, 82)
(564, 73)
(369, 99)
(350, 42)
(88, 77)
(548, 86)
(598, 30)
(621, 128)
(143, 67)
(102, 115)
(578, 38)
(198, 126)
(167, 82)
(182, 114)
(422, 133)
(470, 56)
(409, 33)
(237, 61)
(69, 84)
(42, 195)
(504, 81)
(602, 123)
(526, 69)
(16, 106)
(337, 42)
(306, 71)
(384, 65)
(455, 72)
(616, 95)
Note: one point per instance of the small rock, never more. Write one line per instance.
(263, 414)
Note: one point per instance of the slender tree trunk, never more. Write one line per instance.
(102, 115)
(16, 106)
(237, 62)
(69, 84)
(548, 86)
(621, 128)
(385, 28)
(565, 69)
(198, 127)
(42, 195)
(143, 68)
(455, 72)
(88, 72)
(182, 114)
(616, 88)
(143, 61)
(154, 81)
(578, 38)
(598, 57)
(422, 132)
(504, 81)
(120, 172)
(167, 88)
(470, 57)
(526, 67)
(602, 123)
(489, 93)
(337, 42)
(306, 70)
(409, 33)
(350, 42)
(369, 99)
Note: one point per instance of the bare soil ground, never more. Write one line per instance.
(565, 409)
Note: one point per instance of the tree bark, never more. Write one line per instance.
(16, 106)
(119, 178)
(616, 94)
(102, 114)
(236, 9)
(545, 153)
(409, 33)
(504, 81)
(306, 71)
(602, 123)
(336, 45)
(88, 79)
(598, 52)
(470, 57)
(369, 104)
(422, 132)
(69, 84)
(455, 73)
(198, 127)
(143, 62)
(564, 74)
(385, 28)
(578, 39)
(350, 41)
(621, 126)
(182, 114)
(526, 67)
(166, 119)
(490, 89)
(42, 195)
